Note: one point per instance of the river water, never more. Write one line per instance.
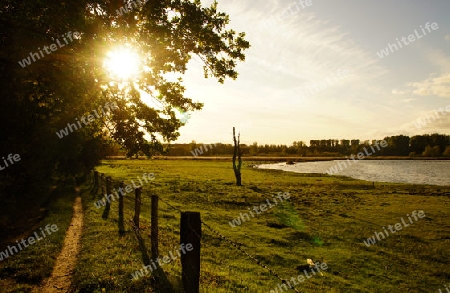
(435, 172)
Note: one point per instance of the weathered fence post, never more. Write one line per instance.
(154, 227)
(108, 191)
(137, 205)
(190, 233)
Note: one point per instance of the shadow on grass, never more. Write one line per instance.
(106, 211)
(94, 191)
(162, 283)
(121, 223)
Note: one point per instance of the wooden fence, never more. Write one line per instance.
(190, 229)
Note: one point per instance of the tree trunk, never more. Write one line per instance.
(237, 153)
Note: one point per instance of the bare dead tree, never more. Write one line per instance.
(237, 153)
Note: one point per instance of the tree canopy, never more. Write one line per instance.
(53, 76)
(62, 110)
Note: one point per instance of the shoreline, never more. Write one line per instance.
(276, 159)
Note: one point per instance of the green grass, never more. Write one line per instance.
(28, 267)
(334, 216)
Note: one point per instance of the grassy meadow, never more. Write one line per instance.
(326, 219)
(336, 215)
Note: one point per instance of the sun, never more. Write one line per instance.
(122, 62)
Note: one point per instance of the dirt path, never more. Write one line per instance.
(60, 279)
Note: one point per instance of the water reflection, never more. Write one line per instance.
(436, 172)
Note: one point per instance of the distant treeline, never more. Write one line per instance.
(429, 145)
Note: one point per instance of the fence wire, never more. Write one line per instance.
(238, 247)
(233, 243)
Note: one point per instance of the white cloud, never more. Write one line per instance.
(437, 120)
(301, 45)
(398, 92)
(434, 85)
(439, 58)
(447, 38)
(301, 51)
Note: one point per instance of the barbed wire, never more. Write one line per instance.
(233, 243)
(175, 208)
(237, 246)
(250, 256)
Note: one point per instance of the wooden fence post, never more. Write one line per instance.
(190, 233)
(154, 227)
(137, 205)
(108, 191)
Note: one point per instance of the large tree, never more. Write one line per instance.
(44, 88)
(59, 87)
(166, 34)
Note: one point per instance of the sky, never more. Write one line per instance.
(317, 71)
